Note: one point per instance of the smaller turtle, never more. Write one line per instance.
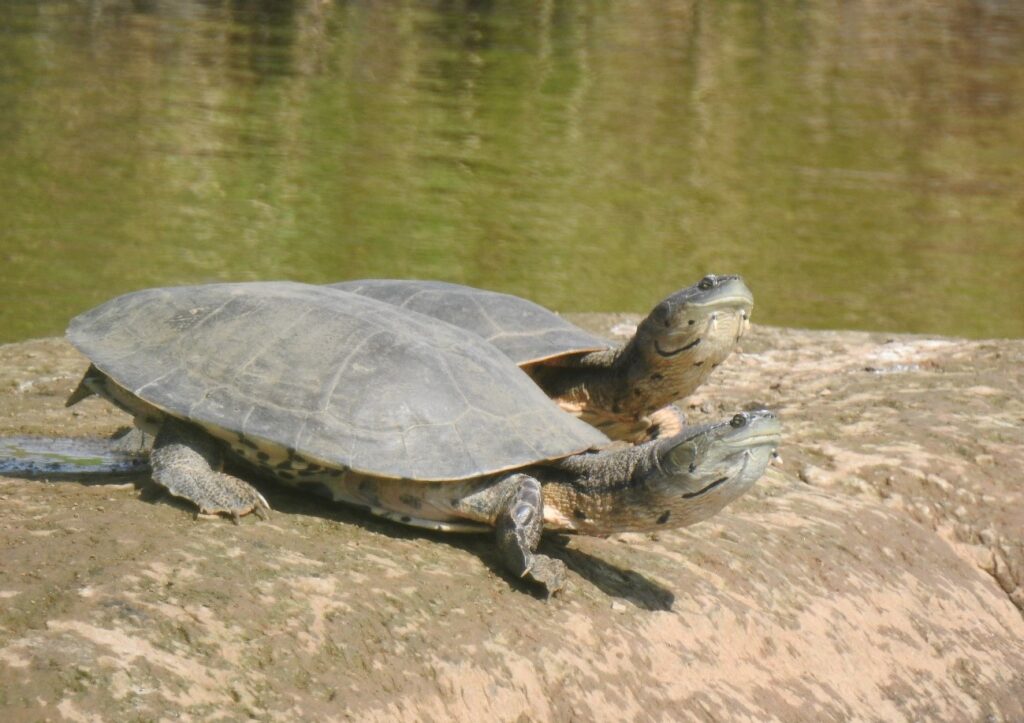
(625, 391)
(407, 417)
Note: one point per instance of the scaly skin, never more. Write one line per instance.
(675, 349)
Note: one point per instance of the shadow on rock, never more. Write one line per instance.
(612, 580)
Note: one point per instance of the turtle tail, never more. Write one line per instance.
(85, 387)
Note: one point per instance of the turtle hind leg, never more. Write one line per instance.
(187, 462)
(519, 524)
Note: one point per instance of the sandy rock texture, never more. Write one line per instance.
(875, 575)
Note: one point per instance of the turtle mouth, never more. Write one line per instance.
(767, 437)
(748, 442)
(674, 352)
(729, 300)
(707, 488)
(733, 311)
(745, 458)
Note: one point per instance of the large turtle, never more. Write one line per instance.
(626, 391)
(408, 417)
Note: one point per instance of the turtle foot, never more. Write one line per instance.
(231, 496)
(519, 526)
(666, 422)
(548, 572)
(185, 462)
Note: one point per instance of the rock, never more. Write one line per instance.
(799, 602)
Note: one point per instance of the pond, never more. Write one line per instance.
(860, 163)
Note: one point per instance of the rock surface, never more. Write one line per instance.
(876, 574)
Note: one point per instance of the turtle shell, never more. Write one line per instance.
(339, 378)
(524, 331)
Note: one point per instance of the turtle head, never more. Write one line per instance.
(702, 469)
(684, 338)
(713, 312)
(668, 482)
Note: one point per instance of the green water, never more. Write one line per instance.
(860, 163)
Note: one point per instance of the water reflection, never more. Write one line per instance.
(860, 163)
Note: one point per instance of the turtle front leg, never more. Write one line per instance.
(519, 523)
(187, 462)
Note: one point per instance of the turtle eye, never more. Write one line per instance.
(708, 282)
(738, 421)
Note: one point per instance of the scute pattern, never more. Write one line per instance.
(347, 380)
(524, 331)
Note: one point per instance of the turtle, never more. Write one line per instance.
(395, 412)
(626, 391)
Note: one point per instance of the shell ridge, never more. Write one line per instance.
(202, 398)
(243, 427)
(408, 299)
(467, 450)
(299, 442)
(267, 342)
(495, 326)
(457, 387)
(139, 392)
(327, 396)
(206, 318)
